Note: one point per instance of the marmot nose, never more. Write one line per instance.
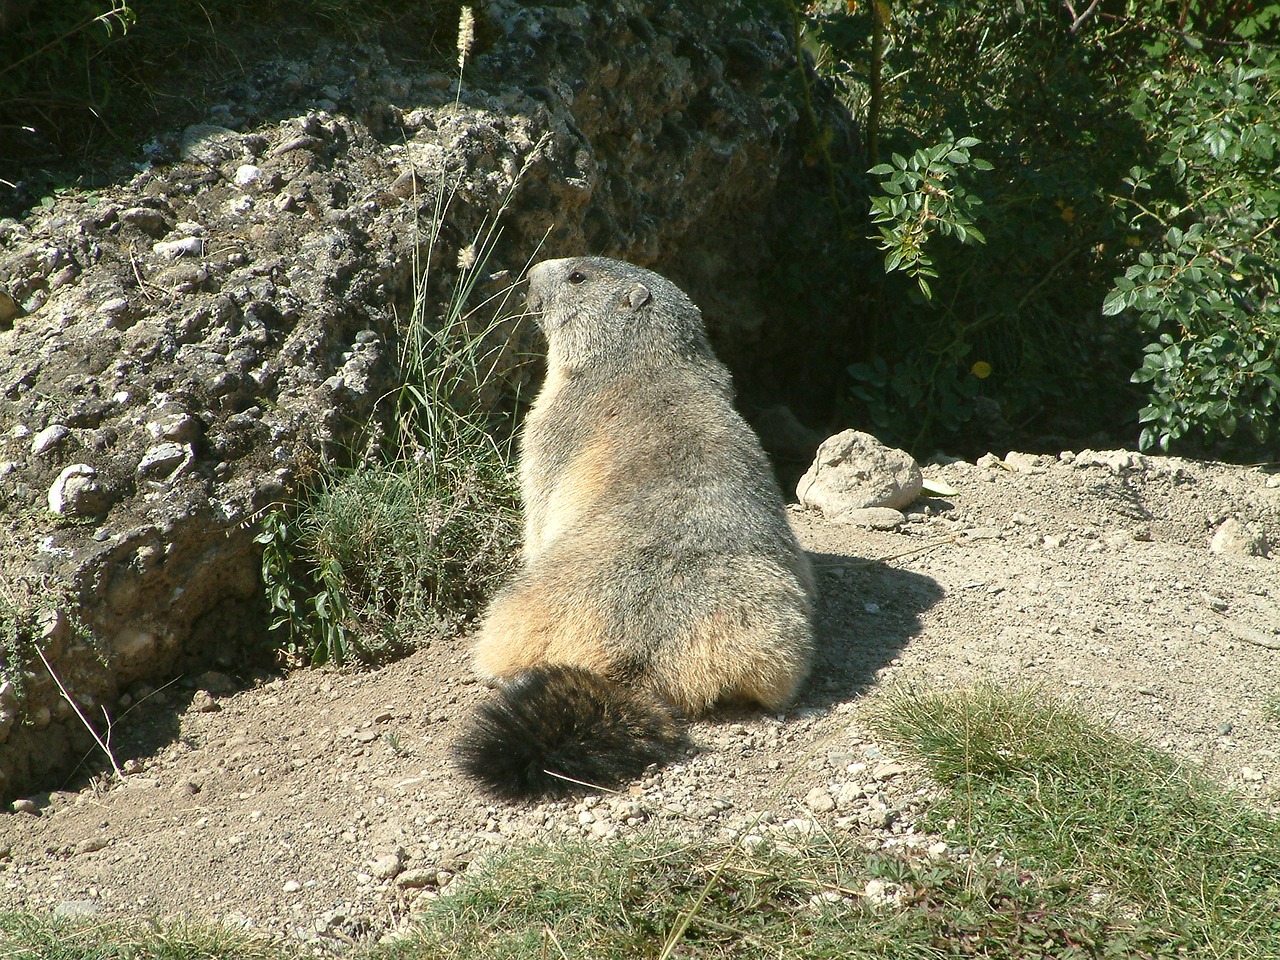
(533, 300)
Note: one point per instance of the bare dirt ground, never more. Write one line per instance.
(321, 806)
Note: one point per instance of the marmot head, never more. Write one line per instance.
(598, 312)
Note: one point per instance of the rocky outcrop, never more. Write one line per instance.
(173, 347)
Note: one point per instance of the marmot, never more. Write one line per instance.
(660, 577)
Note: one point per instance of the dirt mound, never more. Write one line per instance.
(322, 806)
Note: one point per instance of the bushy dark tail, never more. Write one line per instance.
(555, 729)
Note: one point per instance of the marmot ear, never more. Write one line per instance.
(637, 296)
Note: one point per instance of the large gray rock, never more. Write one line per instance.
(233, 309)
(853, 472)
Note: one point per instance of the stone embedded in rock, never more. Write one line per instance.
(1240, 538)
(246, 174)
(76, 491)
(855, 471)
(163, 460)
(210, 144)
(48, 438)
(9, 308)
(150, 221)
(190, 246)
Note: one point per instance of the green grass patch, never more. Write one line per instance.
(27, 936)
(1063, 797)
(649, 899)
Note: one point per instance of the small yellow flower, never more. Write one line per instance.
(1067, 212)
(1133, 240)
(981, 369)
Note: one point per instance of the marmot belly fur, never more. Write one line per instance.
(660, 577)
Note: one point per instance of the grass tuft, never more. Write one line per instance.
(28, 936)
(1063, 797)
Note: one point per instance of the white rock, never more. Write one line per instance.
(1240, 538)
(48, 438)
(74, 490)
(819, 801)
(164, 460)
(387, 866)
(190, 246)
(855, 471)
(292, 886)
(876, 518)
(247, 173)
(209, 144)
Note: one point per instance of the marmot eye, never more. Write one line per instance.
(577, 277)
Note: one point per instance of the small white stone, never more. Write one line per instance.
(292, 886)
(70, 490)
(48, 438)
(247, 173)
(189, 246)
(819, 801)
(164, 459)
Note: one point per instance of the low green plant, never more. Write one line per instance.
(1056, 794)
(17, 632)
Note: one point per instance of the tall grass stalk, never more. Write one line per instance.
(407, 543)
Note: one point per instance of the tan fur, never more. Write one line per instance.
(657, 551)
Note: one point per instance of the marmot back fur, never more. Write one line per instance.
(660, 577)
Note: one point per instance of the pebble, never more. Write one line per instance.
(48, 438)
(414, 879)
(1251, 775)
(387, 866)
(25, 806)
(819, 801)
(163, 460)
(187, 246)
(291, 886)
(91, 845)
(202, 702)
(887, 771)
(1238, 538)
(246, 174)
(75, 491)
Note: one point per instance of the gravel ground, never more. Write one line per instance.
(322, 806)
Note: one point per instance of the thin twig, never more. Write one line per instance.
(80, 713)
(1079, 20)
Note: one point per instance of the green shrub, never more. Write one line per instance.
(1106, 129)
(1207, 275)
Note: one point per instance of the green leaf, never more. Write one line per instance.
(937, 488)
(1116, 301)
